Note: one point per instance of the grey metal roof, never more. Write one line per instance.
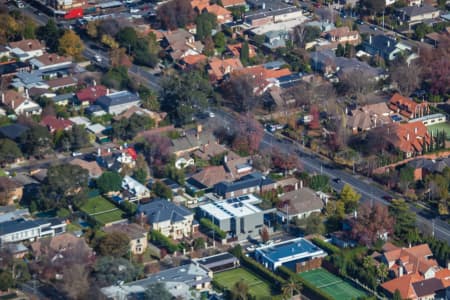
(412, 11)
(248, 181)
(380, 44)
(161, 210)
(191, 274)
(117, 99)
(20, 225)
(427, 287)
(63, 97)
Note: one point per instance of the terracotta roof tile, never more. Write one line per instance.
(27, 45)
(91, 93)
(403, 285)
(53, 123)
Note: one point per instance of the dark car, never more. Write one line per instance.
(337, 180)
(387, 198)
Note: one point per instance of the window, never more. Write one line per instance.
(138, 241)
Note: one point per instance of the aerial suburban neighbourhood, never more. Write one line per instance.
(225, 149)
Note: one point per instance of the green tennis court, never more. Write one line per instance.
(439, 127)
(332, 285)
(257, 287)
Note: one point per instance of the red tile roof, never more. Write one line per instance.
(236, 50)
(444, 276)
(91, 93)
(194, 59)
(54, 123)
(227, 3)
(403, 285)
(407, 137)
(406, 106)
(222, 67)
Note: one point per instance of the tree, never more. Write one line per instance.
(157, 291)
(357, 83)
(239, 91)
(265, 235)
(109, 41)
(50, 34)
(199, 243)
(315, 122)
(116, 244)
(62, 185)
(175, 14)
(407, 76)
(76, 281)
(239, 291)
(157, 150)
(37, 141)
(340, 51)
(245, 53)
(183, 95)
(6, 280)
(109, 182)
(128, 128)
(373, 6)
(9, 151)
(406, 177)
(319, 182)
(290, 288)
(220, 40)
(208, 48)
(149, 98)
(436, 67)
(372, 223)
(301, 35)
(350, 198)
(285, 162)
(314, 224)
(111, 270)
(249, 135)
(140, 175)
(421, 30)
(397, 295)
(70, 44)
(162, 190)
(405, 220)
(205, 22)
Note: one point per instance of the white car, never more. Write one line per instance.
(212, 115)
(75, 154)
(98, 58)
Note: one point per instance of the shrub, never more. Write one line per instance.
(331, 249)
(163, 241)
(206, 223)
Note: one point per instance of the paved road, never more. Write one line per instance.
(313, 164)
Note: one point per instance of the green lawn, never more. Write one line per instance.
(439, 127)
(96, 205)
(332, 285)
(258, 287)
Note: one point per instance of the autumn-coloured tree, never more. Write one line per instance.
(70, 44)
(315, 122)
(119, 57)
(285, 161)
(175, 14)
(436, 64)
(372, 223)
(157, 150)
(249, 135)
(109, 41)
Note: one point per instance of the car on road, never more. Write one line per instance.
(98, 58)
(75, 154)
(211, 114)
(337, 180)
(387, 198)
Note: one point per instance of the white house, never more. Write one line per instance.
(28, 230)
(134, 187)
(50, 61)
(20, 103)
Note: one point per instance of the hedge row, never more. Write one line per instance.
(275, 280)
(331, 249)
(163, 241)
(308, 289)
(206, 223)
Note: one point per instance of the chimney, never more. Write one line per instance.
(107, 92)
(407, 136)
(99, 152)
(301, 184)
(12, 104)
(26, 93)
(199, 129)
(94, 83)
(370, 39)
(388, 43)
(3, 97)
(400, 271)
(225, 158)
(109, 150)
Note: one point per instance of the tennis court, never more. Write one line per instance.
(332, 285)
(257, 287)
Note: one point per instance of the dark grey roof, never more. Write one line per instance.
(412, 11)
(348, 65)
(217, 260)
(12, 67)
(20, 225)
(93, 108)
(13, 131)
(427, 287)
(275, 64)
(429, 164)
(161, 210)
(117, 99)
(248, 181)
(380, 44)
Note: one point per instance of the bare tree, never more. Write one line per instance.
(357, 83)
(406, 76)
(76, 281)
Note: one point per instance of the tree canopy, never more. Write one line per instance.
(350, 198)
(109, 182)
(70, 44)
(115, 244)
(9, 151)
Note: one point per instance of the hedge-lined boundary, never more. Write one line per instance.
(330, 248)
(273, 279)
(206, 223)
(308, 289)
